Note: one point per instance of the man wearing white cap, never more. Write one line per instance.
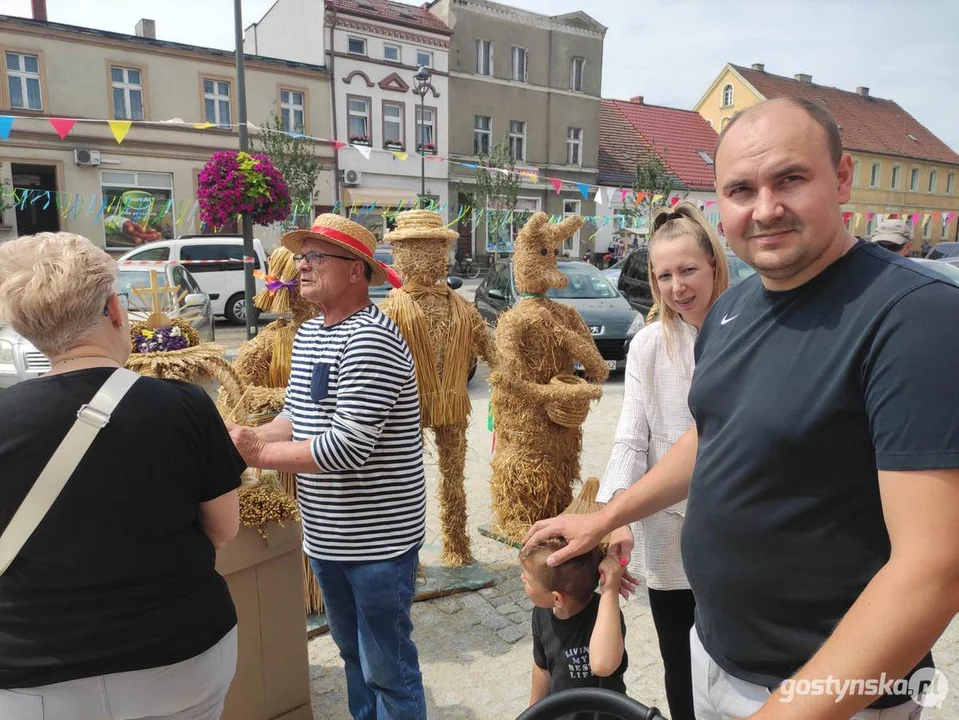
(893, 235)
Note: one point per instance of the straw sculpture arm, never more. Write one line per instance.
(575, 336)
(484, 345)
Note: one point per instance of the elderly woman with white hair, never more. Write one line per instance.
(110, 607)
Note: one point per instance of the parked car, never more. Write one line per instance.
(943, 250)
(634, 278)
(611, 320)
(949, 271)
(20, 360)
(217, 263)
(613, 271)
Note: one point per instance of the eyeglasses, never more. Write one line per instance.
(122, 297)
(314, 258)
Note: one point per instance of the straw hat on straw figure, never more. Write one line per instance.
(539, 405)
(444, 334)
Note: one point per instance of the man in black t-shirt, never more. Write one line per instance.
(822, 528)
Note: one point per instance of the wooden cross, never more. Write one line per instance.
(159, 299)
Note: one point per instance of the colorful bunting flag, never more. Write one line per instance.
(869, 216)
(640, 196)
(6, 123)
(337, 144)
(674, 200)
(925, 219)
(203, 125)
(710, 203)
(915, 219)
(584, 190)
(557, 185)
(119, 128)
(63, 126)
(598, 199)
(400, 155)
(623, 192)
(855, 220)
(657, 198)
(364, 150)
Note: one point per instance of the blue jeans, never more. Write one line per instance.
(368, 606)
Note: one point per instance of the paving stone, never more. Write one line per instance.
(449, 605)
(498, 602)
(489, 592)
(521, 618)
(496, 622)
(511, 634)
(517, 595)
(508, 608)
(526, 604)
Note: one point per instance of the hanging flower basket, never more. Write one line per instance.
(237, 182)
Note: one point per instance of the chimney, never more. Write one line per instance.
(864, 91)
(147, 29)
(637, 99)
(759, 66)
(803, 78)
(40, 10)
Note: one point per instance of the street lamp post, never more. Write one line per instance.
(249, 288)
(422, 85)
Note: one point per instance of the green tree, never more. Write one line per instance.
(293, 156)
(496, 186)
(652, 180)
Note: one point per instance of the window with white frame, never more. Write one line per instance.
(933, 177)
(482, 134)
(574, 146)
(855, 173)
(570, 208)
(484, 57)
(914, 180)
(728, 96)
(874, 175)
(426, 129)
(517, 139)
(23, 81)
(393, 53)
(358, 120)
(127, 93)
(895, 177)
(356, 46)
(393, 132)
(950, 183)
(216, 100)
(292, 109)
(424, 58)
(518, 64)
(577, 67)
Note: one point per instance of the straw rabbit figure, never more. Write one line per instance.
(537, 460)
(444, 334)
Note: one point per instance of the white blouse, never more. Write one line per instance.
(655, 414)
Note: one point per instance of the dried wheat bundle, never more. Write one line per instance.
(195, 364)
(264, 501)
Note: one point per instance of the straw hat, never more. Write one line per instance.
(348, 235)
(420, 225)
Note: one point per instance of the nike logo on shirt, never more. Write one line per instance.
(727, 319)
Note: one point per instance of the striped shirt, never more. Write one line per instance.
(353, 393)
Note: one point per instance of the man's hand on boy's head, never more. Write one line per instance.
(582, 533)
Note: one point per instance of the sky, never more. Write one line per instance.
(670, 51)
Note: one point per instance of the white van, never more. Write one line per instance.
(215, 261)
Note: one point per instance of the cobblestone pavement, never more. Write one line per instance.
(475, 648)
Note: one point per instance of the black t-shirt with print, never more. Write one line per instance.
(119, 575)
(799, 397)
(561, 647)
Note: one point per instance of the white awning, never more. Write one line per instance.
(383, 197)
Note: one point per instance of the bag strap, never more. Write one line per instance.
(91, 419)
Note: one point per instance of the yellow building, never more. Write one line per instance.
(900, 168)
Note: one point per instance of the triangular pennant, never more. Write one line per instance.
(6, 123)
(471, 166)
(925, 219)
(364, 150)
(936, 216)
(869, 216)
(583, 190)
(400, 155)
(640, 196)
(674, 201)
(657, 198)
(63, 126)
(599, 196)
(915, 219)
(623, 192)
(119, 128)
(856, 217)
(203, 125)
(710, 203)
(557, 185)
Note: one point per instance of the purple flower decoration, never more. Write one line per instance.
(236, 182)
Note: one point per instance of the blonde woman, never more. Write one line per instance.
(687, 272)
(112, 609)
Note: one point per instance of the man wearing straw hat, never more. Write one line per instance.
(350, 430)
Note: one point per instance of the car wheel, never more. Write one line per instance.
(235, 309)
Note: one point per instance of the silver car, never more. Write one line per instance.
(20, 360)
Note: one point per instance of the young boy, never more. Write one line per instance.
(577, 633)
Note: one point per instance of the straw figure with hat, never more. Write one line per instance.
(539, 404)
(444, 334)
(263, 369)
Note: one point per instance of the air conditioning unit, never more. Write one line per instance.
(351, 177)
(86, 157)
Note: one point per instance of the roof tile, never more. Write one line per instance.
(387, 11)
(868, 124)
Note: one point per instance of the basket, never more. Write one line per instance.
(567, 408)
